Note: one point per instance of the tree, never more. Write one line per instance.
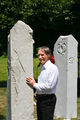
(48, 18)
(9, 15)
(76, 20)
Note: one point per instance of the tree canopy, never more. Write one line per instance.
(48, 18)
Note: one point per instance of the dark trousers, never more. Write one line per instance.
(46, 106)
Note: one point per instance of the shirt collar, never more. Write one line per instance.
(46, 64)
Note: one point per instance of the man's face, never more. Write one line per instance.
(43, 58)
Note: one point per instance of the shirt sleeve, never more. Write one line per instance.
(50, 84)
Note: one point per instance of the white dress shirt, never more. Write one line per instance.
(47, 79)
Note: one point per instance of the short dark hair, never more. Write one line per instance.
(46, 50)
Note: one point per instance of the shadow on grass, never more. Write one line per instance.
(78, 87)
(3, 83)
(2, 117)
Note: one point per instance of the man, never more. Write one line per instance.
(46, 86)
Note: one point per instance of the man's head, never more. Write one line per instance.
(44, 54)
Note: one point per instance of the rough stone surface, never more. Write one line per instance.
(65, 53)
(20, 66)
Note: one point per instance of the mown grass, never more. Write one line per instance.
(36, 69)
(3, 68)
(3, 93)
(78, 107)
(3, 101)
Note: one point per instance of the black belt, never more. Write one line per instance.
(45, 95)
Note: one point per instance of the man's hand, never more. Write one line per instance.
(30, 81)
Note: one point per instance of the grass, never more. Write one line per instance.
(3, 79)
(3, 102)
(78, 107)
(3, 68)
(36, 69)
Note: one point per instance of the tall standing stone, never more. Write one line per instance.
(20, 66)
(65, 53)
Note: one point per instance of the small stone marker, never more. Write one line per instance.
(65, 53)
(20, 65)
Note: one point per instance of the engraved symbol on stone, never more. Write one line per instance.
(61, 49)
(71, 60)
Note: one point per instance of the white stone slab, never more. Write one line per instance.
(65, 53)
(20, 65)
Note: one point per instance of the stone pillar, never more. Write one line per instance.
(65, 53)
(20, 66)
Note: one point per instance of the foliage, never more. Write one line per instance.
(76, 19)
(48, 18)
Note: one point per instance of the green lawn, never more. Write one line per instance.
(3, 93)
(3, 68)
(35, 68)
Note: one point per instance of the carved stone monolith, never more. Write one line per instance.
(65, 53)
(20, 65)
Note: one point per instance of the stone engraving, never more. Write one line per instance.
(61, 48)
(20, 65)
(71, 60)
(65, 53)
